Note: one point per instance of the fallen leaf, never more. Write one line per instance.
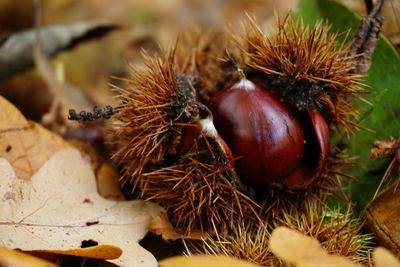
(204, 261)
(383, 258)
(59, 207)
(13, 258)
(95, 252)
(16, 49)
(162, 226)
(383, 219)
(330, 261)
(25, 144)
(303, 251)
(291, 245)
(108, 184)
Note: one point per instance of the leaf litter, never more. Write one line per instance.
(54, 204)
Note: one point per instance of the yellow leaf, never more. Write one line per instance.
(328, 261)
(204, 261)
(105, 252)
(303, 251)
(13, 258)
(383, 258)
(291, 245)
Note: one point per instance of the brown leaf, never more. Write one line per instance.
(204, 261)
(95, 252)
(59, 207)
(56, 206)
(383, 219)
(160, 225)
(13, 258)
(25, 144)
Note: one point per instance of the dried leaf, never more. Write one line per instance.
(383, 219)
(59, 207)
(107, 179)
(204, 261)
(293, 246)
(302, 250)
(13, 258)
(162, 226)
(25, 144)
(382, 258)
(56, 206)
(16, 49)
(95, 252)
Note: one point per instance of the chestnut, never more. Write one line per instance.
(270, 143)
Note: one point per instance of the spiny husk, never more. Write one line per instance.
(203, 54)
(305, 67)
(152, 113)
(247, 241)
(200, 192)
(338, 234)
(279, 199)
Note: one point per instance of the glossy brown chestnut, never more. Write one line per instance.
(315, 152)
(271, 145)
(266, 139)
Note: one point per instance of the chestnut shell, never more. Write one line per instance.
(266, 139)
(316, 151)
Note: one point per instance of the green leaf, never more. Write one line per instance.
(383, 80)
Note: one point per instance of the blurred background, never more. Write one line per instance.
(144, 24)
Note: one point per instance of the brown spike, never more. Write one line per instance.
(309, 66)
(200, 192)
(338, 234)
(156, 103)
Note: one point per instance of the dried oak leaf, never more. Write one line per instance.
(25, 144)
(204, 261)
(383, 219)
(13, 258)
(383, 258)
(108, 184)
(59, 207)
(303, 251)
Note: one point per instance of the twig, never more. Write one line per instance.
(97, 113)
(46, 70)
(369, 5)
(366, 38)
